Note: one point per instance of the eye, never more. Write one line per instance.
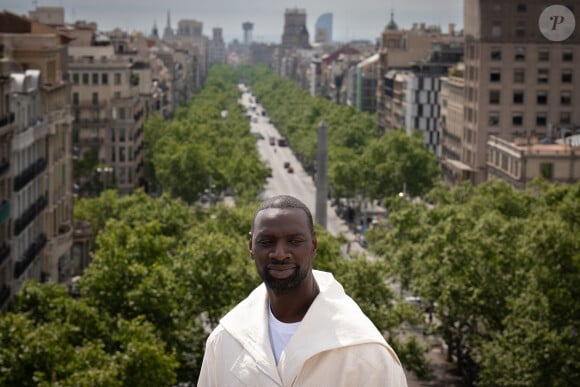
(296, 241)
(264, 242)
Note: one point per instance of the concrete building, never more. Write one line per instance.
(247, 27)
(323, 28)
(365, 93)
(295, 34)
(41, 160)
(518, 83)
(216, 50)
(520, 160)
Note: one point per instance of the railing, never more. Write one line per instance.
(29, 173)
(7, 119)
(4, 252)
(30, 214)
(31, 252)
(4, 295)
(4, 211)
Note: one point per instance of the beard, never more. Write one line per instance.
(285, 285)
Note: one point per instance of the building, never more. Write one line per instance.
(520, 160)
(248, 27)
(323, 28)
(295, 34)
(365, 93)
(518, 83)
(216, 50)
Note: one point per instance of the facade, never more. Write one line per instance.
(517, 82)
(520, 160)
(451, 105)
(295, 34)
(216, 50)
(365, 95)
(323, 28)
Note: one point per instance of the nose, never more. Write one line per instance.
(280, 252)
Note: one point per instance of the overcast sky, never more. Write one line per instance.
(353, 19)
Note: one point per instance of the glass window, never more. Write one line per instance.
(75, 98)
(85, 78)
(117, 78)
(542, 75)
(521, 8)
(95, 98)
(519, 75)
(567, 55)
(95, 79)
(566, 98)
(494, 97)
(542, 97)
(105, 78)
(567, 76)
(543, 55)
(518, 98)
(547, 170)
(517, 119)
(565, 118)
(520, 54)
(495, 53)
(75, 78)
(521, 30)
(541, 119)
(496, 29)
(493, 119)
(495, 75)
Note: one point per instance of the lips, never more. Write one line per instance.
(281, 271)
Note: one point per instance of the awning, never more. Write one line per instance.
(456, 164)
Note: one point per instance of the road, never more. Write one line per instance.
(298, 184)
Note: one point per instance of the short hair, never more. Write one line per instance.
(284, 202)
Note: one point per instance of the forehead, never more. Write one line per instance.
(274, 220)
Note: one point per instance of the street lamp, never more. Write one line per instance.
(104, 170)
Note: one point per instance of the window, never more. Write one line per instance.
(496, 29)
(521, 30)
(493, 119)
(542, 75)
(547, 170)
(105, 78)
(95, 79)
(566, 76)
(542, 97)
(95, 98)
(565, 118)
(494, 97)
(541, 119)
(85, 78)
(495, 53)
(75, 78)
(521, 8)
(121, 113)
(518, 97)
(519, 54)
(117, 78)
(117, 94)
(519, 75)
(517, 119)
(113, 134)
(75, 98)
(122, 134)
(566, 98)
(543, 55)
(495, 75)
(122, 154)
(567, 55)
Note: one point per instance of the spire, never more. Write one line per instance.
(155, 31)
(392, 25)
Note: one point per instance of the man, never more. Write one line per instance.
(298, 328)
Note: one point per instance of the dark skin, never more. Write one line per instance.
(283, 248)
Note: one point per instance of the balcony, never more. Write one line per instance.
(4, 166)
(4, 211)
(4, 252)
(4, 295)
(92, 123)
(26, 176)
(28, 257)
(30, 214)
(6, 120)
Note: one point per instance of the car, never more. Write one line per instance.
(290, 170)
(286, 164)
(272, 141)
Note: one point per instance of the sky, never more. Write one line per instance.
(353, 19)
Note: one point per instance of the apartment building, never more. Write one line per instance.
(40, 229)
(518, 83)
(216, 49)
(7, 128)
(108, 116)
(295, 33)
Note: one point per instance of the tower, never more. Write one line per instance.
(248, 27)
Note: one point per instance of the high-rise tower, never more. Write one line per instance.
(248, 27)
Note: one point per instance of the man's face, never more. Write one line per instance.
(282, 247)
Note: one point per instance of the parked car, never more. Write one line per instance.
(286, 164)
(290, 170)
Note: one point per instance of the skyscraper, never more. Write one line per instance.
(248, 27)
(323, 28)
(295, 32)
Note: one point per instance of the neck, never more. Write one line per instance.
(292, 306)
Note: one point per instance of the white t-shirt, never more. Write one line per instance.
(280, 334)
